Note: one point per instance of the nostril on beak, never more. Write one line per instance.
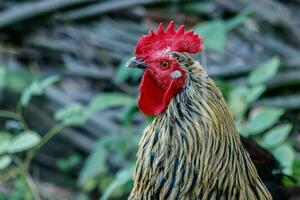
(136, 63)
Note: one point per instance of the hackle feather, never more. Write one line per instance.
(192, 150)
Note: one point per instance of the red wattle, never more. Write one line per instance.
(155, 99)
(151, 95)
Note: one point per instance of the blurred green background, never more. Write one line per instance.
(69, 125)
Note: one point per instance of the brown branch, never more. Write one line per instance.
(25, 11)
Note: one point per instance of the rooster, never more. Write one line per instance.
(191, 150)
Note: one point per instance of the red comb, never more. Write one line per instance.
(175, 40)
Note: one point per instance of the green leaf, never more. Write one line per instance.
(199, 7)
(262, 119)
(238, 19)
(36, 88)
(276, 135)
(224, 86)
(241, 128)
(122, 177)
(255, 92)
(29, 92)
(264, 71)
(237, 101)
(285, 154)
(48, 81)
(73, 114)
(94, 166)
(81, 196)
(108, 100)
(4, 144)
(69, 163)
(128, 112)
(214, 34)
(2, 76)
(4, 162)
(24, 141)
(17, 79)
(296, 168)
(76, 114)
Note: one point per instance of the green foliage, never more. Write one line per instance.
(4, 161)
(263, 118)
(243, 95)
(21, 140)
(74, 114)
(94, 166)
(21, 190)
(4, 142)
(77, 114)
(108, 169)
(253, 93)
(238, 100)
(285, 154)
(24, 141)
(296, 167)
(69, 163)
(81, 196)
(199, 7)
(37, 88)
(2, 76)
(215, 31)
(122, 177)
(264, 72)
(238, 19)
(14, 79)
(128, 111)
(108, 100)
(109, 151)
(15, 144)
(276, 136)
(263, 123)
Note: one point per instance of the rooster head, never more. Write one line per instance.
(163, 76)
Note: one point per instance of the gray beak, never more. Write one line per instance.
(134, 63)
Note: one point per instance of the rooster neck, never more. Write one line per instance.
(192, 149)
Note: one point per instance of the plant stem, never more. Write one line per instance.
(16, 116)
(9, 114)
(21, 118)
(32, 186)
(50, 134)
(9, 174)
(29, 181)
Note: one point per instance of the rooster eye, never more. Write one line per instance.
(164, 64)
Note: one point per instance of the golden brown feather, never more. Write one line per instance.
(192, 150)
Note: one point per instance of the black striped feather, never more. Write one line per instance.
(193, 151)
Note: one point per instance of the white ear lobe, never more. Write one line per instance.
(175, 74)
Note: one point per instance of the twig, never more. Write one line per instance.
(24, 172)
(290, 54)
(103, 8)
(19, 112)
(16, 116)
(9, 174)
(9, 114)
(80, 140)
(280, 80)
(50, 134)
(288, 102)
(32, 187)
(25, 11)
